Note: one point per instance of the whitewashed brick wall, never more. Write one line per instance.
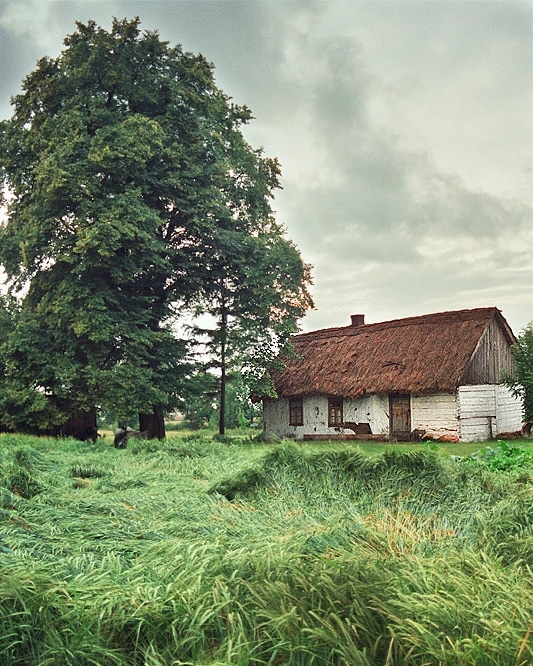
(436, 413)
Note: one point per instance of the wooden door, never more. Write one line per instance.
(400, 416)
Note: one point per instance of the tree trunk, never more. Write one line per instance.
(153, 423)
(222, 407)
(81, 425)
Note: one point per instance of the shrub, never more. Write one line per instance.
(505, 456)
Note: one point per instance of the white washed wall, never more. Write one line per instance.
(487, 410)
(436, 413)
(370, 409)
(508, 411)
(476, 413)
(276, 419)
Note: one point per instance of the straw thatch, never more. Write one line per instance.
(418, 355)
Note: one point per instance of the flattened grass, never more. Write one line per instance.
(192, 551)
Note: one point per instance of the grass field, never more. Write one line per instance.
(198, 552)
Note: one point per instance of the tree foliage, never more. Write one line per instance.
(521, 381)
(132, 198)
(255, 295)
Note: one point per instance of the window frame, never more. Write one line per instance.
(296, 411)
(335, 411)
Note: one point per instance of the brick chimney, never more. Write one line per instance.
(358, 320)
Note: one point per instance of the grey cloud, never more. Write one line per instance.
(387, 291)
(15, 53)
(404, 131)
(32, 29)
(338, 89)
(443, 203)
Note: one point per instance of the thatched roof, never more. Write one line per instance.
(416, 355)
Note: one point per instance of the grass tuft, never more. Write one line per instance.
(87, 471)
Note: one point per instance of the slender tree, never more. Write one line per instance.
(256, 295)
(129, 188)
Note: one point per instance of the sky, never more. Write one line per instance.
(404, 129)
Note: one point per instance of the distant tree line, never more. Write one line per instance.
(133, 204)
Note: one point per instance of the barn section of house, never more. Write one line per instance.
(435, 376)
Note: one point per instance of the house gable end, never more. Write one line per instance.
(492, 356)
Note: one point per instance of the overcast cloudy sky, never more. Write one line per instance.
(404, 129)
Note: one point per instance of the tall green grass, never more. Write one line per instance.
(193, 551)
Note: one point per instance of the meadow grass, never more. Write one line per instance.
(192, 551)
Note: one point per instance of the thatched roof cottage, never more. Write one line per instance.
(436, 376)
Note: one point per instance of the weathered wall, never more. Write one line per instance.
(487, 410)
(475, 413)
(276, 419)
(491, 357)
(435, 413)
(508, 411)
(370, 409)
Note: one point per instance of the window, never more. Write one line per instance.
(296, 412)
(335, 417)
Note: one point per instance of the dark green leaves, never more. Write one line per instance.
(521, 381)
(133, 198)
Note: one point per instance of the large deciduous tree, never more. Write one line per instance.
(132, 195)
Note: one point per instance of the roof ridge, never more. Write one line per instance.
(393, 323)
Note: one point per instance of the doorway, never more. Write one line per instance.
(400, 416)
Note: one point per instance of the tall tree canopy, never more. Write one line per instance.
(132, 197)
